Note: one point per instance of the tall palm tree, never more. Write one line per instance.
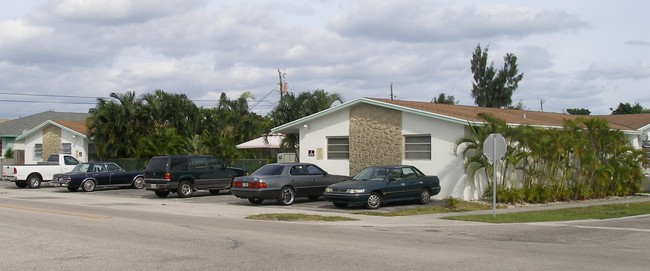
(292, 107)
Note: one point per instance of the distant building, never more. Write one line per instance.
(36, 136)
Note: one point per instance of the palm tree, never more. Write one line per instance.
(293, 107)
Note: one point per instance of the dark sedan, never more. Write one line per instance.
(89, 176)
(378, 184)
(284, 182)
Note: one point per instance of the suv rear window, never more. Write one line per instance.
(157, 165)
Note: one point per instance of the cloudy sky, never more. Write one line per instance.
(62, 55)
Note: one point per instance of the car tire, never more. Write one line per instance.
(162, 194)
(287, 195)
(185, 189)
(313, 198)
(256, 201)
(425, 196)
(214, 191)
(73, 188)
(88, 186)
(21, 184)
(340, 204)
(374, 201)
(138, 183)
(34, 181)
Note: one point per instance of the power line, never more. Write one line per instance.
(49, 95)
(45, 102)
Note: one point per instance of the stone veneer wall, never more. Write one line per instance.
(51, 141)
(375, 137)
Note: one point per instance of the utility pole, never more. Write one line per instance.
(391, 91)
(541, 104)
(283, 86)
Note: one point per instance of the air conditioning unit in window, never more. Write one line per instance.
(286, 157)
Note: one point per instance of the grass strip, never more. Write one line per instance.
(463, 206)
(577, 213)
(299, 217)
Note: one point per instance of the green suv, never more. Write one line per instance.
(184, 174)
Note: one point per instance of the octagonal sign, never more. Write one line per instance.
(494, 147)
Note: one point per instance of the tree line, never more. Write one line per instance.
(128, 126)
(583, 160)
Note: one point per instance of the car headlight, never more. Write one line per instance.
(327, 189)
(355, 191)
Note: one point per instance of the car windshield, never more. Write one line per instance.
(372, 174)
(269, 170)
(81, 168)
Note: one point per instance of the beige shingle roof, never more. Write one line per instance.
(513, 116)
(76, 126)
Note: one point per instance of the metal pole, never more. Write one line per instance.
(494, 179)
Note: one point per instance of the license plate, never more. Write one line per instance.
(244, 185)
(153, 186)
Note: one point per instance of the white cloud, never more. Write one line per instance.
(356, 48)
(417, 21)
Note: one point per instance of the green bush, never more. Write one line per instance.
(451, 202)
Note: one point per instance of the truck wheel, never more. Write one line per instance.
(162, 194)
(21, 184)
(88, 185)
(185, 189)
(34, 181)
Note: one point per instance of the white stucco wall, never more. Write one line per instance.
(314, 137)
(28, 145)
(79, 146)
(444, 163)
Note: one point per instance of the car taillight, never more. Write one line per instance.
(15, 171)
(168, 176)
(258, 185)
(253, 185)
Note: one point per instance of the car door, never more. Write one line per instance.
(203, 177)
(413, 181)
(303, 183)
(101, 174)
(320, 180)
(219, 173)
(395, 186)
(118, 175)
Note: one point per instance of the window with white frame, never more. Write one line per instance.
(417, 147)
(38, 151)
(66, 148)
(338, 148)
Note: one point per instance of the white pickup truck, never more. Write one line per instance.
(32, 175)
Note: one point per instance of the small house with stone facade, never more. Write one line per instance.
(35, 136)
(369, 131)
(52, 137)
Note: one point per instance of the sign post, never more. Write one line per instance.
(494, 148)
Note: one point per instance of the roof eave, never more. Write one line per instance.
(49, 122)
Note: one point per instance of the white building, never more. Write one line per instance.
(368, 131)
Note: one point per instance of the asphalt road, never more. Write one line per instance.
(124, 229)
